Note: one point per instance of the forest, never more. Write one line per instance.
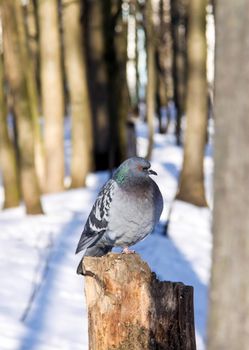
(98, 63)
(82, 84)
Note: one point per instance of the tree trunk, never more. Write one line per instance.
(167, 47)
(52, 93)
(164, 86)
(129, 308)
(78, 92)
(97, 80)
(30, 51)
(132, 73)
(8, 162)
(123, 96)
(18, 79)
(179, 29)
(119, 103)
(191, 186)
(229, 297)
(138, 27)
(31, 22)
(150, 92)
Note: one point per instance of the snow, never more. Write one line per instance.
(42, 305)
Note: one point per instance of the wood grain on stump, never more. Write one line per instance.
(129, 308)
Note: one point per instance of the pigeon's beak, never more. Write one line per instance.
(152, 172)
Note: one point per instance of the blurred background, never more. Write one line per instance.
(76, 76)
(85, 84)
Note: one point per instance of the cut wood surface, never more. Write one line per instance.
(129, 308)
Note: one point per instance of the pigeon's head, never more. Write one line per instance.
(133, 168)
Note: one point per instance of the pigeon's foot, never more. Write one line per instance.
(127, 251)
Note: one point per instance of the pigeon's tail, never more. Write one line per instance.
(87, 239)
(96, 251)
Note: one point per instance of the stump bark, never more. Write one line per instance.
(130, 309)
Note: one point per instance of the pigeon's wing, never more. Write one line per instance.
(97, 222)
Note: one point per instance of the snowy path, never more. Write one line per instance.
(38, 262)
(58, 306)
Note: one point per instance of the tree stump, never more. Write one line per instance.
(130, 309)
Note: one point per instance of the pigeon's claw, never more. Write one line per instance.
(127, 251)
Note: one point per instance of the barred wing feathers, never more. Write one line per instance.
(97, 222)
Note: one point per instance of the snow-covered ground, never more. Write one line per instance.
(42, 305)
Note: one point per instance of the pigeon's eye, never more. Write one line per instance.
(145, 168)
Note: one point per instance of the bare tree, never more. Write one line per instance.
(8, 164)
(118, 94)
(97, 72)
(31, 24)
(30, 51)
(179, 18)
(138, 26)
(229, 297)
(18, 79)
(52, 93)
(150, 92)
(164, 55)
(75, 64)
(191, 186)
(106, 39)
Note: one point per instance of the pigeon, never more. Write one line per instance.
(126, 210)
